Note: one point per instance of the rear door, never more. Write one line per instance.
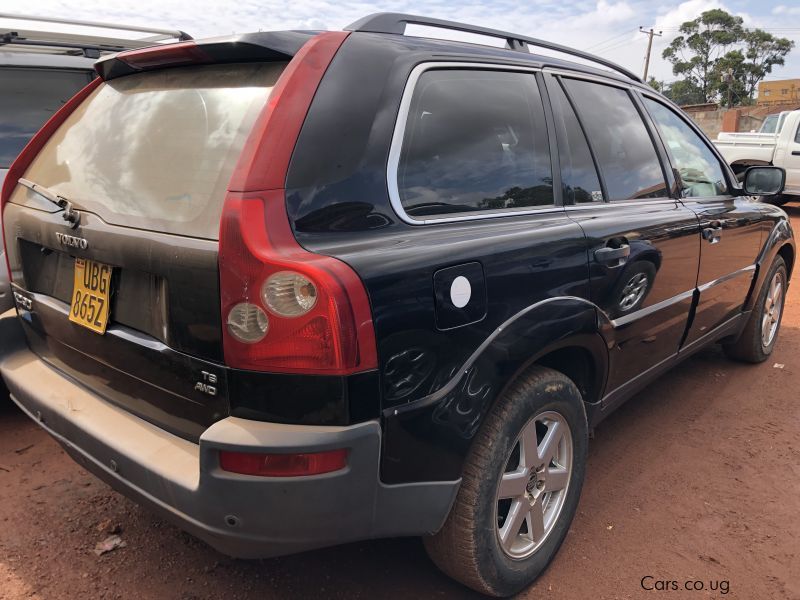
(145, 160)
(730, 225)
(642, 244)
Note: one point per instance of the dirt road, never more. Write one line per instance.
(695, 480)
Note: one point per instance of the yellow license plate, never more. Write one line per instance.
(90, 294)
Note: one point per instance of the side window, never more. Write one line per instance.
(578, 172)
(623, 148)
(699, 168)
(474, 141)
(29, 98)
(797, 135)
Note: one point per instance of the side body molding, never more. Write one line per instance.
(428, 439)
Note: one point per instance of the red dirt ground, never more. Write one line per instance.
(697, 478)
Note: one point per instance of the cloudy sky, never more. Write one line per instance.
(605, 27)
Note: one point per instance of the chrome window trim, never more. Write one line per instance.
(625, 85)
(396, 147)
(631, 202)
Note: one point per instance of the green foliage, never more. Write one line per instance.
(655, 84)
(718, 58)
(684, 92)
(763, 51)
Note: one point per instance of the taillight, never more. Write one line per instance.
(289, 294)
(173, 55)
(32, 148)
(286, 309)
(283, 465)
(248, 323)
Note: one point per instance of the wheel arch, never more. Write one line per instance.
(787, 253)
(779, 242)
(741, 165)
(429, 439)
(582, 358)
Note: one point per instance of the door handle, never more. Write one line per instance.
(613, 257)
(713, 235)
(795, 152)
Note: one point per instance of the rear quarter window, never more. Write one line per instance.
(475, 141)
(156, 150)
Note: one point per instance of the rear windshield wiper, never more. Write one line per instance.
(72, 217)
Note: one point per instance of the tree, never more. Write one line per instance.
(655, 84)
(684, 92)
(729, 82)
(762, 51)
(718, 58)
(706, 39)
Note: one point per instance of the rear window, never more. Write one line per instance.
(624, 151)
(29, 97)
(156, 150)
(474, 141)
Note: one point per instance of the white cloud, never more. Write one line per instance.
(607, 27)
(782, 9)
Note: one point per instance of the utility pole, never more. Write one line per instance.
(650, 35)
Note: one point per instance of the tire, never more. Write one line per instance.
(754, 344)
(468, 547)
(632, 288)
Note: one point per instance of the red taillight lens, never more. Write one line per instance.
(173, 55)
(283, 465)
(318, 313)
(332, 335)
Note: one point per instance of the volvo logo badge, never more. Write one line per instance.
(72, 241)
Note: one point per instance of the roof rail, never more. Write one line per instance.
(89, 44)
(396, 23)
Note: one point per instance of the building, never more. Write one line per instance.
(782, 91)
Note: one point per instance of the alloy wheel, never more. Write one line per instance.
(773, 306)
(534, 485)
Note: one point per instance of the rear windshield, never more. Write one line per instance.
(156, 150)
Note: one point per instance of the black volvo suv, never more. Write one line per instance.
(294, 289)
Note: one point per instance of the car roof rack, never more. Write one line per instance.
(87, 44)
(395, 23)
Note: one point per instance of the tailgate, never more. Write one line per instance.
(145, 160)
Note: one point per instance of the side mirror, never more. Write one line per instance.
(764, 181)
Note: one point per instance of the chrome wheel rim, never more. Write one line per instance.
(534, 485)
(773, 306)
(633, 291)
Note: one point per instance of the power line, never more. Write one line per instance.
(614, 46)
(611, 39)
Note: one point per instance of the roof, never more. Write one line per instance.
(396, 23)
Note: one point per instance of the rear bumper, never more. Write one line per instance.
(239, 515)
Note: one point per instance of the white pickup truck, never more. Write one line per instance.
(782, 149)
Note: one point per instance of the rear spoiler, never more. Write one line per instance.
(251, 47)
